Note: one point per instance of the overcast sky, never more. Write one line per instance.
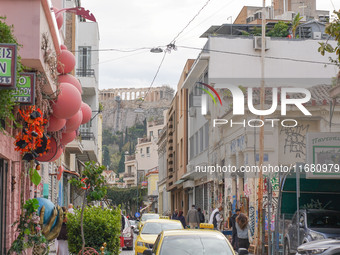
(134, 24)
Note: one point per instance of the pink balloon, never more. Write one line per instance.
(68, 78)
(55, 124)
(67, 137)
(66, 62)
(59, 17)
(52, 153)
(74, 122)
(68, 102)
(87, 112)
(63, 47)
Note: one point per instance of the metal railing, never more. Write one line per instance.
(85, 72)
(87, 136)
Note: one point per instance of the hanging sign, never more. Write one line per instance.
(24, 92)
(8, 65)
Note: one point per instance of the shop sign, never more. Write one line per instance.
(24, 92)
(8, 65)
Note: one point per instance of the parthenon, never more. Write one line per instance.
(149, 94)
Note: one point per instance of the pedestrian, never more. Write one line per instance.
(232, 223)
(216, 218)
(70, 209)
(62, 245)
(193, 219)
(242, 227)
(175, 215)
(201, 215)
(181, 218)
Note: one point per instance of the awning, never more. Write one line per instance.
(178, 182)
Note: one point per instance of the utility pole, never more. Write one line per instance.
(260, 238)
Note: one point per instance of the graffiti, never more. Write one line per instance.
(252, 220)
(315, 205)
(237, 144)
(295, 141)
(273, 211)
(247, 190)
(234, 204)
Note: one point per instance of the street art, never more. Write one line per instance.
(234, 204)
(247, 190)
(252, 222)
(315, 204)
(295, 140)
(273, 211)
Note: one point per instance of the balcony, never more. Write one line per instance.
(88, 81)
(90, 147)
(129, 175)
(144, 140)
(130, 157)
(75, 147)
(85, 73)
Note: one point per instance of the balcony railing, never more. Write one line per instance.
(85, 72)
(129, 175)
(89, 136)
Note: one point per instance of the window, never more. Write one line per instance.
(148, 151)
(84, 61)
(191, 147)
(151, 133)
(141, 150)
(206, 135)
(196, 143)
(201, 139)
(129, 170)
(159, 131)
(182, 152)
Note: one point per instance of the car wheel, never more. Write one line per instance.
(130, 248)
(286, 248)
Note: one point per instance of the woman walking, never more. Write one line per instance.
(242, 227)
(181, 218)
(62, 245)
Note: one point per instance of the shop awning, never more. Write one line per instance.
(179, 182)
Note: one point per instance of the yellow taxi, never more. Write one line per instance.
(151, 229)
(191, 242)
(145, 217)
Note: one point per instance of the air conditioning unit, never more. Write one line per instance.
(258, 43)
(192, 112)
(316, 35)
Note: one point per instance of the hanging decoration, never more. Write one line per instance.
(60, 172)
(32, 135)
(85, 186)
(87, 112)
(74, 122)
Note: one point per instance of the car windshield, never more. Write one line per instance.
(195, 245)
(146, 217)
(154, 228)
(133, 222)
(323, 220)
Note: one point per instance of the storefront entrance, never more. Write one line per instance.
(3, 204)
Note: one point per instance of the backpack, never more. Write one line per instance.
(214, 219)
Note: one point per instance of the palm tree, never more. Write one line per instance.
(296, 23)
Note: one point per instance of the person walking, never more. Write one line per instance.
(232, 223)
(193, 219)
(181, 218)
(62, 245)
(216, 218)
(201, 215)
(175, 215)
(242, 227)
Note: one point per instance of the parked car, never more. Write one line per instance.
(312, 224)
(127, 233)
(134, 226)
(322, 247)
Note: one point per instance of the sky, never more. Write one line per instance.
(138, 25)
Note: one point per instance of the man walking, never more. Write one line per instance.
(174, 215)
(232, 222)
(193, 218)
(216, 218)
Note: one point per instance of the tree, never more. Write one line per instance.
(93, 182)
(333, 29)
(106, 156)
(280, 30)
(296, 23)
(121, 164)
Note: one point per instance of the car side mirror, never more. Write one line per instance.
(242, 251)
(147, 252)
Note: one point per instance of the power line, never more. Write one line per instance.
(173, 40)
(258, 56)
(117, 50)
(155, 76)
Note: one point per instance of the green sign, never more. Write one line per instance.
(8, 65)
(24, 92)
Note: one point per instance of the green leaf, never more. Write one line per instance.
(27, 231)
(35, 177)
